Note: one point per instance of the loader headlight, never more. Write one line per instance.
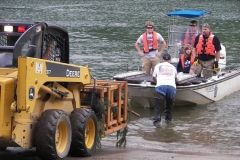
(8, 28)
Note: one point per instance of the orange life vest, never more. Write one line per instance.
(183, 60)
(146, 42)
(206, 47)
(189, 38)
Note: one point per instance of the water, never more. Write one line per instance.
(102, 36)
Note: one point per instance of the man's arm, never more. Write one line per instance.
(194, 51)
(154, 75)
(154, 79)
(162, 48)
(217, 55)
(217, 45)
(176, 79)
(137, 45)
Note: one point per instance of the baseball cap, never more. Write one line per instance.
(166, 56)
(206, 25)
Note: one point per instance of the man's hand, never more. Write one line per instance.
(216, 66)
(158, 54)
(141, 54)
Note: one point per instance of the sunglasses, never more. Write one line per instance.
(149, 27)
(192, 25)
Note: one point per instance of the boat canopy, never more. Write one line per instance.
(189, 13)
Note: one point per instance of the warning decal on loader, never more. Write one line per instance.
(39, 67)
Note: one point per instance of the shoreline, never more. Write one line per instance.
(124, 153)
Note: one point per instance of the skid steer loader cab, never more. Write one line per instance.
(34, 39)
(41, 94)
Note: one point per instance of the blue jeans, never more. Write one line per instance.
(164, 97)
(169, 92)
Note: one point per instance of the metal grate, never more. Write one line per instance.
(53, 46)
(175, 33)
(3, 40)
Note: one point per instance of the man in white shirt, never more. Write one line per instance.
(6, 59)
(150, 54)
(165, 76)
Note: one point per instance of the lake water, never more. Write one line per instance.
(102, 36)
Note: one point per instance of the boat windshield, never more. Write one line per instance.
(178, 37)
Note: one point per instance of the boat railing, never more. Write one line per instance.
(128, 74)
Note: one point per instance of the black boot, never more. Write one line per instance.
(168, 110)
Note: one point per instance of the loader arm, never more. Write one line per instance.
(34, 75)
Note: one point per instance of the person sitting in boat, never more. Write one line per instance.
(150, 55)
(186, 59)
(6, 59)
(188, 37)
(207, 47)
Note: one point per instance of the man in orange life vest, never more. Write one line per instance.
(150, 54)
(207, 49)
(188, 37)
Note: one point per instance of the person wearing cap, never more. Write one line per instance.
(188, 37)
(207, 51)
(165, 76)
(150, 54)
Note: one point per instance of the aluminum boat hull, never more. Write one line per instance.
(210, 91)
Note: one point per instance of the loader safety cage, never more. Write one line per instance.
(24, 39)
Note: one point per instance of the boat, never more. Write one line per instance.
(190, 88)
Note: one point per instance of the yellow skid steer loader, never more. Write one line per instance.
(41, 94)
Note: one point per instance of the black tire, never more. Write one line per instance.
(53, 135)
(84, 132)
(3, 148)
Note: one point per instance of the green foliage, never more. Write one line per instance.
(121, 137)
(121, 134)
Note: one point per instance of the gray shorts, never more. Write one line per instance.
(205, 66)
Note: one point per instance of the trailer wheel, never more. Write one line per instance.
(84, 132)
(53, 135)
(3, 148)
